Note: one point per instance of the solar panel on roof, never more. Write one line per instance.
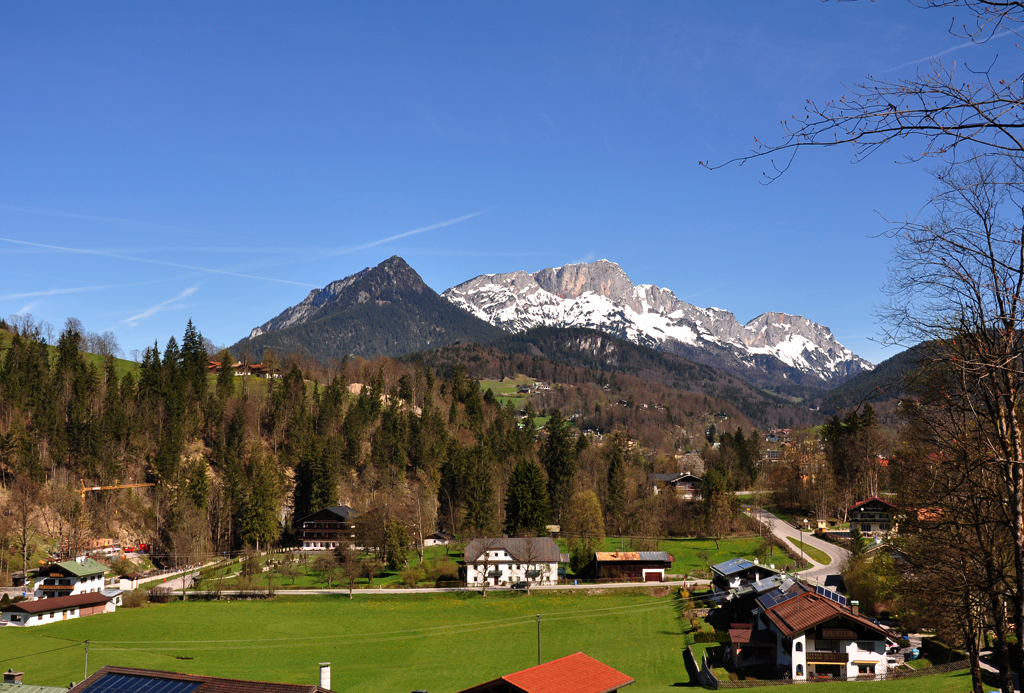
(829, 594)
(120, 683)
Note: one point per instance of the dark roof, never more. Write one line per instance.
(735, 565)
(131, 576)
(114, 679)
(342, 511)
(544, 549)
(576, 673)
(664, 477)
(43, 606)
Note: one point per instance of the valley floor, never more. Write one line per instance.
(441, 643)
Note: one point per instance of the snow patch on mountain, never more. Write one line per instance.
(600, 296)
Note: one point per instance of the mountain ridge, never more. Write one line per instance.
(386, 310)
(601, 296)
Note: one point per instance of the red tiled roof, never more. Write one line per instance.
(873, 498)
(43, 606)
(209, 684)
(802, 613)
(576, 673)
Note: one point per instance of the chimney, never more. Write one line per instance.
(325, 675)
(11, 676)
(855, 605)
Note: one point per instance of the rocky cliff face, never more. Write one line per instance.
(601, 296)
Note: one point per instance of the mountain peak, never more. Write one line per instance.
(600, 295)
(378, 283)
(383, 310)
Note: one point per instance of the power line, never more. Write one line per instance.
(34, 654)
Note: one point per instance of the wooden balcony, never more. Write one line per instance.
(838, 634)
(827, 658)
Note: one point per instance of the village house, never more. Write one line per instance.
(685, 485)
(129, 581)
(13, 683)
(80, 576)
(110, 679)
(818, 635)
(502, 561)
(577, 673)
(737, 573)
(327, 529)
(43, 611)
(871, 516)
(625, 566)
(439, 539)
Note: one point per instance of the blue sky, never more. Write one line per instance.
(217, 161)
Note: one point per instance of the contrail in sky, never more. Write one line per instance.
(55, 292)
(88, 217)
(450, 222)
(152, 310)
(131, 258)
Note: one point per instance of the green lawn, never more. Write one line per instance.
(375, 643)
(688, 553)
(814, 553)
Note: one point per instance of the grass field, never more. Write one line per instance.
(375, 643)
(815, 554)
(689, 553)
(442, 643)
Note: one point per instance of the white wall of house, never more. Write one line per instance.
(79, 585)
(798, 658)
(510, 570)
(315, 545)
(26, 620)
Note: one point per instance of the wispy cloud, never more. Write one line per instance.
(163, 305)
(89, 217)
(589, 257)
(57, 292)
(397, 236)
(131, 258)
(959, 46)
(26, 308)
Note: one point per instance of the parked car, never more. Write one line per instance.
(520, 585)
(895, 649)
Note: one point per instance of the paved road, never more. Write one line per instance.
(436, 590)
(791, 536)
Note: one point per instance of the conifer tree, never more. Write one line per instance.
(526, 501)
(558, 456)
(616, 504)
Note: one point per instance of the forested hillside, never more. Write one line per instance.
(235, 459)
(597, 357)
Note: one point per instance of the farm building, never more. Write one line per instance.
(327, 529)
(577, 673)
(43, 611)
(505, 561)
(127, 680)
(80, 576)
(643, 566)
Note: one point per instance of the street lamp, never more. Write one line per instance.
(802, 528)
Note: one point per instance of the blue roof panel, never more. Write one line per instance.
(121, 683)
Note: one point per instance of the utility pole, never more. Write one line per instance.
(86, 660)
(538, 639)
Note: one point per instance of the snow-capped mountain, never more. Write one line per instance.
(600, 296)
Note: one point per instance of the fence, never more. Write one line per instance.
(707, 678)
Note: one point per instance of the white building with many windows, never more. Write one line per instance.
(80, 576)
(503, 561)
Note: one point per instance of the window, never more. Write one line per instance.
(865, 668)
(799, 669)
(866, 646)
(865, 528)
(799, 647)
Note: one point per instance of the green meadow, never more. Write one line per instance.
(442, 643)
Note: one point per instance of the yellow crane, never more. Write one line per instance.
(85, 489)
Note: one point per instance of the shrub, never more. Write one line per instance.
(411, 576)
(719, 636)
(161, 595)
(134, 599)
